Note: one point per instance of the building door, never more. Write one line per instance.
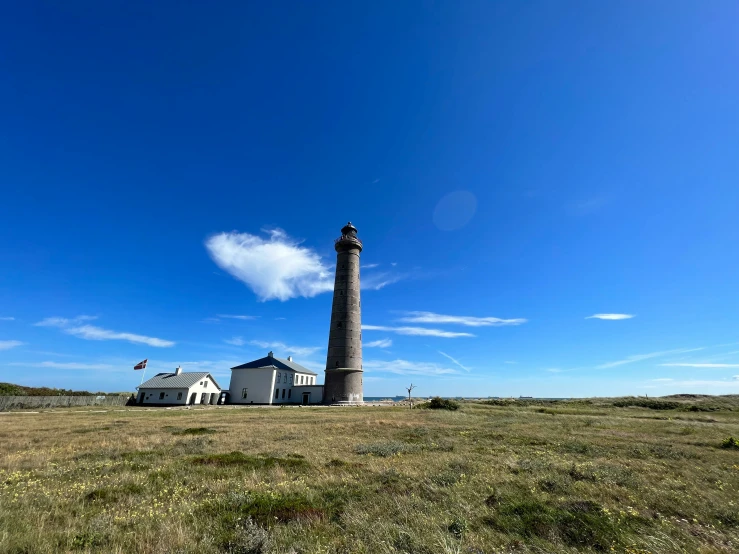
(141, 397)
(193, 396)
(204, 398)
(306, 398)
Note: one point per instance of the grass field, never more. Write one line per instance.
(583, 476)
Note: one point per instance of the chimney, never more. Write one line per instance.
(178, 370)
(271, 355)
(289, 358)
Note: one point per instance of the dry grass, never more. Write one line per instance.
(565, 477)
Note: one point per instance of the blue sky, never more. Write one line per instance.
(173, 177)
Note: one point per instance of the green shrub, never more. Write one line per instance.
(438, 403)
(195, 431)
(730, 442)
(650, 403)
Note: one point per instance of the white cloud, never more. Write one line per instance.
(8, 344)
(641, 357)
(91, 332)
(404, 367)
(453, 360)
(282, 347)
(63, 322)
(242, 317)
(276, 267)
(382, 343)
(610, 317)
(554, 370)
(7, 319)
(236, 341)
(702, 383)
(699, 365)
(664, 380)
(65, 365)
(736, 377)
(470, 321)
(416, 331)
(370, 266)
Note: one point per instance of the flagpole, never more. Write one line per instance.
(142, 376)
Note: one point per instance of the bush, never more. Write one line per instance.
(730, 442)
(438, 403)
(646, 403)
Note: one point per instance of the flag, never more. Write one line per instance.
(141, 365)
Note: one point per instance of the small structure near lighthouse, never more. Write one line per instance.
(343, 381)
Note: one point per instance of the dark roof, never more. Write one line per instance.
(277, 363)
(174, 381)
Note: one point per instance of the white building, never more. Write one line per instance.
(179, 388)
(273, 380)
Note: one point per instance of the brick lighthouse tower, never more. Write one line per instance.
(343, 384)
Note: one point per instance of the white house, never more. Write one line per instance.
(179, 388)
(273, 380)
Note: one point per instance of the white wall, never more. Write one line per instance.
(170, 395)
(316, 394)
(260, 383)
(151, 396)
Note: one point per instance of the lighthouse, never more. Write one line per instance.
(343, 383)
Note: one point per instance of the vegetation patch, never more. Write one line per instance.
(730, 442)
(195, 431)
(386, 449)
(650, 403)
(266, 508)
(438, 403)
(250, 462)
(581, 523)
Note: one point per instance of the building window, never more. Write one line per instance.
(277, 393)
(243, 393)
(161, 396)
(279, 376)
(291, 378)
(179, 396)
(302, 378)
(201, 383)
(205, 384)
(289, 393)
(312, 380)
(283, 393)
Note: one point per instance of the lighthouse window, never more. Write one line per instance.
(337, 364)
(339, 324)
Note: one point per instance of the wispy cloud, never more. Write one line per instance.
(7, 319)
(405, 367)
(453, 360)
(416, 331)
(699, 365)
(510, 362)
(370, 266)
(282, 347)
(610, 317)
(377, 280)
(706, 383)
(8, 344)
(241, 317)
(382, 343)
(662, 380)
(470, 321)
(554, 370)
(641, 357)
(235, 341)
(65, 365)
(736, 377)
(91, 332)
(63, 321)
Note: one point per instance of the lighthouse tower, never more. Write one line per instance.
(343, 384)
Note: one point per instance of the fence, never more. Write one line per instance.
(37, 402)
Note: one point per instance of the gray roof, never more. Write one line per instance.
(277, 363)
(174, 381)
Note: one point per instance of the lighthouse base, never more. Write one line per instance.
(343, 386)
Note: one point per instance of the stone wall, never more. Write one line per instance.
(38, 402)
